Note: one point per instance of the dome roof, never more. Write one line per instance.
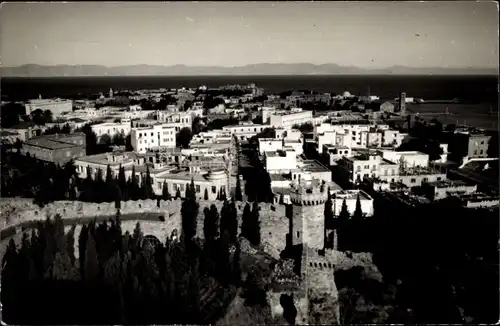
(346, 94)
(217, 174)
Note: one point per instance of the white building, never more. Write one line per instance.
(111, 128)
(369, 165)
(245, 131)
(177, 120)
(270, 145)
(280, 161)
(210, 137)
(441, 189)
(411, 158)
(56, 106)
(153, 137)
(334, 153)
(289, 119)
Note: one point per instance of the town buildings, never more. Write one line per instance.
(57, 148)
(470, 144)
(245, 131)
(162, 171)
(289, 119)
(56, 106)
(24, 130)
(112, 128)
(177, 120)
(350, 197)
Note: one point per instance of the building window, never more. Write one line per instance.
(475, 152)
(481, 152)
(175, 186)
(298, 234)
(214, 189)
(198, 189)
(438, 178)
(413, 180)
(159, 185)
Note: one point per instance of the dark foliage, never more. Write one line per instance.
(122, 278)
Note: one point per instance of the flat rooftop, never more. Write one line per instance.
(52, 141)
(449, 183)
(313, 166)
(349, 194)
(278, 153)
(103, 158)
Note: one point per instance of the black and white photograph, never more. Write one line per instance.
(237, 163)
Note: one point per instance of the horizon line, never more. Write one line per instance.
(270, 75)
(252, 64)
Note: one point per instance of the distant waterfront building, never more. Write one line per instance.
(57, 148)
(402, 103)
(56, 106)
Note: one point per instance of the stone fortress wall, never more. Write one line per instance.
(19, 213)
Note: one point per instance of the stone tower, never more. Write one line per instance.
(402, 103)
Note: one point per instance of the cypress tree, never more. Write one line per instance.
(329, 219)
(165, 193)
(122, 181)
(118, 197)
(210, 227)
(86, 194)
(133, 186)
(110, 186)
(193, 189)
(358, 212)
(222, 195)
(343, 219)
(189, 214)
(91, 264)
(255, 237)
(147, 185)
(178, 193)
(99, 190)
(206, 194)
(246, 222)
(237, 194)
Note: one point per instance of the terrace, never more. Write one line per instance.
(418, 170)
(313, 166)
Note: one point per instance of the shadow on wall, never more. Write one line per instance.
(289, 309)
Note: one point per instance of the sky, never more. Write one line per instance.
(362, 34)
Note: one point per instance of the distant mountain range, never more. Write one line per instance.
(33, 70)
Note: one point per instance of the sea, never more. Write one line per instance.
(478, 94)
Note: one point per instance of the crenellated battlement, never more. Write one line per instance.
(308, 192)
